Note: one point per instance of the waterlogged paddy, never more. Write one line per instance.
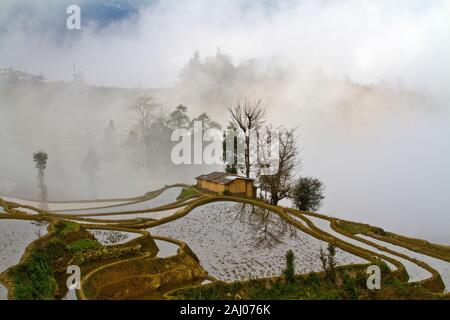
(415, 272)
(15, 236)
(30, 203)
(110, 237)
(147, 215)
(166, 248)
(441, 266)
(324, 225)
(236, 242)
(26, 210)
(55, 206)
(166, 197)
(3, 293)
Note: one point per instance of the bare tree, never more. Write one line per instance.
(279, 184)
(144, 108)
(247, 116)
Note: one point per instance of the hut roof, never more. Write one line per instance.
(222, 177)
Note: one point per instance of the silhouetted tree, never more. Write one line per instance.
(144, 108)
(109, 141)
(308, 194)
(90, 167)
(40, 160)
(207, 123)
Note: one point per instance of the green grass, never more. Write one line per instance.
(34, 279)
(187, 193)
(422, 246)
(311, 287)
(351, 285)
(355, 228)
(83, 245)
(66, 227)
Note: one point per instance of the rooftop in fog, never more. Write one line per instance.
(221, 177)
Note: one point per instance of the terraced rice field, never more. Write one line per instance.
(15, 236)
(415, 272)
(56, 206)
(110, 237)
(147, 215)
(166, 197)
(26, 210)
(233, 241)
(441, 266)
(233, 245)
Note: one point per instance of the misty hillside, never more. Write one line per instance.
(348, 132)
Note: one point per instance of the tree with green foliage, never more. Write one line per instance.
(207, 122)
(178, 119)
(40, 159)
(329, 263)
(289, 271)
(308, 194)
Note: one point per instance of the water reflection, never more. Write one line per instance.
(268, 229)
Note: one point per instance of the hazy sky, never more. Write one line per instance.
(138, 42)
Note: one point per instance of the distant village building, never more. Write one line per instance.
(222, 182)
(15, 76)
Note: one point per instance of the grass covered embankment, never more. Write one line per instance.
(41, 273)
(421, 246)
(349, 283)
(189, 193)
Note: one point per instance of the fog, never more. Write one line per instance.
(365, 83)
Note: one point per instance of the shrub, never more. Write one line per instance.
(308, 194)
(350, 287)
(329, 262)
(289, 271)
(312, 280)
